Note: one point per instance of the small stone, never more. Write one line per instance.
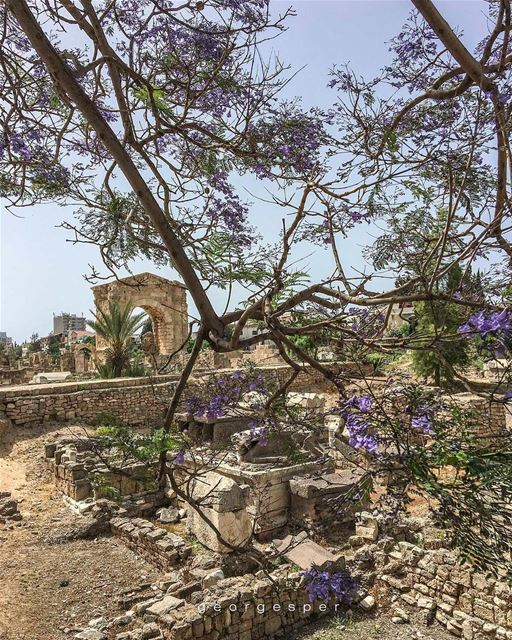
(98, 623)
(426, 603)
(212, 578)
(168, 515)
(64, 583)
(91, 634)
(467, 630)
(367, 604)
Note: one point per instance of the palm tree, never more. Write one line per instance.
(117, 326)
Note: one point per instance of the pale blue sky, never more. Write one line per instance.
(41, 273)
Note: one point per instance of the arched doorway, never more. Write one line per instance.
(163, 300)
(85, 356)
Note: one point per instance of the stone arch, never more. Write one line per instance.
(163, 300)
(84, 354)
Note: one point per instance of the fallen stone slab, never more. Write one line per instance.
(51, 376)
(165, 605)
(306, 554)
(326, 484)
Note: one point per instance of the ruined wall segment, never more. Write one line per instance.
(164, 300)
(137, 401)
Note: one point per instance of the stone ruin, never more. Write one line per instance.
(84, 477)
(163, 300)
(286, 506)
(261, 495)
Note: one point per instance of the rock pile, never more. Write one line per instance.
(8, 508)
(160, 547)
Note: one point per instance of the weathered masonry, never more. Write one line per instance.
(137, 401)
(165, 301)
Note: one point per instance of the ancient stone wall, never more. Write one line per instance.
(165, 301)
(415, 568)
(470, 605)
(16, 376)
(137, 401)
(245, 608)
(160, 547)
(140, 401)
(488, 419)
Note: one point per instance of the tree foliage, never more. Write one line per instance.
(148, 113)
(116, 326)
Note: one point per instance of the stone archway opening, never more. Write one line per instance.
(163, 300)
(84, 356)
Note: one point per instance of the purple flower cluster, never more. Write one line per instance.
(414, 47)
(179, 458)
(229, 211)
(289, 139)
(257, 432)
(423, 422)
(485, 323)
(363, 403)
(360, 436)
(226, 392)
(360, 433)
(322, 585)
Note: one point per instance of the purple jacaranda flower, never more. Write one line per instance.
(422, 422)
(507, 395)
(179, 458)
(257, 432)
(363, 403)
(323, 585)
(195, 406)
(484, 323)
(360, 436)
(262, 437)
(215, 408)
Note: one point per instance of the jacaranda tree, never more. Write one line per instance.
(144, 111)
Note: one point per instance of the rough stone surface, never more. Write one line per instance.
(160, 547)
(305, 553)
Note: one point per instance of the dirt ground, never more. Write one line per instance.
(50, 589)
(359, 627)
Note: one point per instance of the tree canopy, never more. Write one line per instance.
(147, 112)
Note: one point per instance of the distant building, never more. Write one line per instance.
(75, 336)
(401, 313)
(66, 322)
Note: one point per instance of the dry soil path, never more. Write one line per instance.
(49, 589)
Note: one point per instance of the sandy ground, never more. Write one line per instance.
(49, 588)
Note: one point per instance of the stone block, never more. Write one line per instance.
(165, 605)
(305, 553)
(235, 527)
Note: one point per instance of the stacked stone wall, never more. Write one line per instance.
(160, 547)
(137, 401)
(243, 608)
(469, 604)
(143, 401)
